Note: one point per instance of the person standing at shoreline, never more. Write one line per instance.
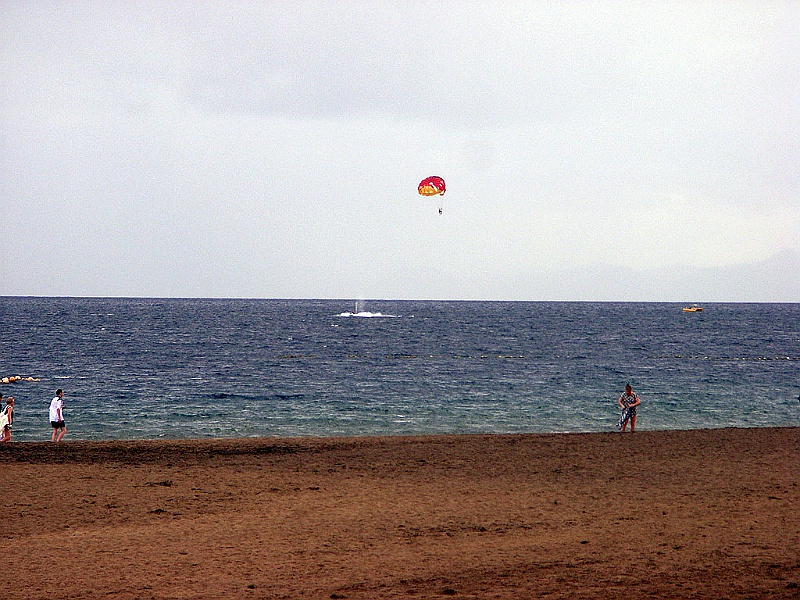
(6, 419)
(57, 416)
(628, 402)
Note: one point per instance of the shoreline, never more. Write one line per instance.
(416, 436)
(672, 514)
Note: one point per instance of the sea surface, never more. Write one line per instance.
(200, 368)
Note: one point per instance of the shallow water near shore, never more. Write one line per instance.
(197, 368)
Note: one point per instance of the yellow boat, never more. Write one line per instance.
(693, 308)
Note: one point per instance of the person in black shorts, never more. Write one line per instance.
(57, 416)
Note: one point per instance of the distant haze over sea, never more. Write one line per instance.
(776, 279)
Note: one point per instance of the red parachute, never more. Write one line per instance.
(431, 186)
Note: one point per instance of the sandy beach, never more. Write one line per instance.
(668, 514)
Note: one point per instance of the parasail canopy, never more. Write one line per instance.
(431, 186)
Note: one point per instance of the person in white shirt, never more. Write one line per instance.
(57, 416)
(6, 419)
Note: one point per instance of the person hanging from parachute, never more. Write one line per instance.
(432, 186)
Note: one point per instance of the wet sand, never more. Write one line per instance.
(675, 514)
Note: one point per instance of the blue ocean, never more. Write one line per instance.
(200, 368)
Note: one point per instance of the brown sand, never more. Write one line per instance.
(677, 514)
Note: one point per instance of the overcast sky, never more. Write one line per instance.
(273, 149)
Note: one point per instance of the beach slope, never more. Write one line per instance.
(667, 514)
